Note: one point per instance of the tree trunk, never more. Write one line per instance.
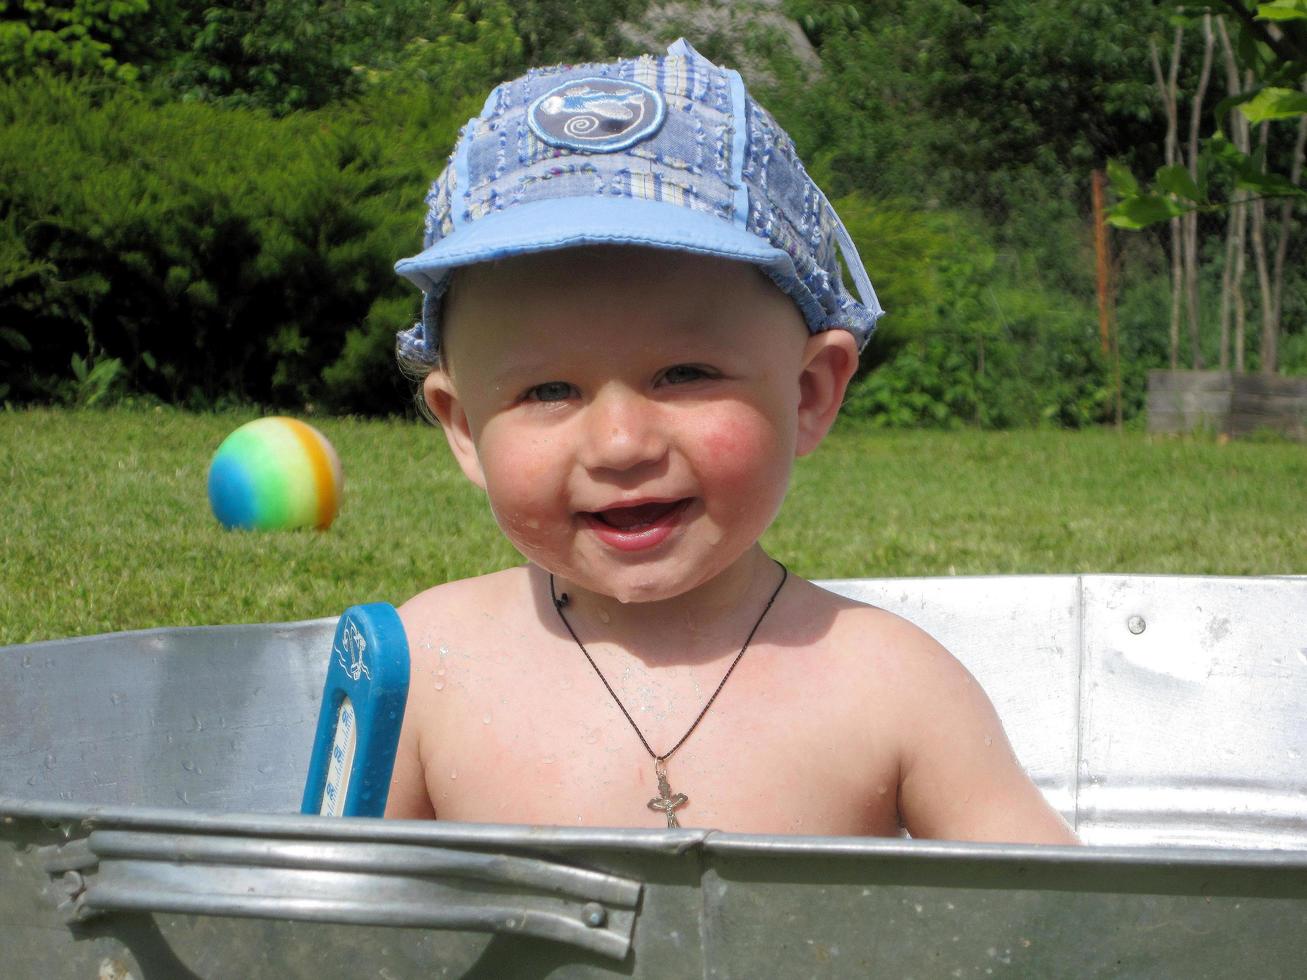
(1243, 142)
(1233, 216)
(1191, 218)
(1286, 220)
(1166, 90)
(1270, 329)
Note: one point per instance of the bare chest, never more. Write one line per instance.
(775, 753)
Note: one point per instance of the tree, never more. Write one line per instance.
(1269, 55)
(72, 38)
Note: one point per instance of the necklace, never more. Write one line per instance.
(666, 801)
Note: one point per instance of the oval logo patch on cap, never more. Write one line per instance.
(601, 115)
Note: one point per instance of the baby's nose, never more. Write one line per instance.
(624, 431)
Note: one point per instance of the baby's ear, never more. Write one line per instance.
(829, 360)
(442, 398)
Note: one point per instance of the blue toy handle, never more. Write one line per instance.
(361, 714)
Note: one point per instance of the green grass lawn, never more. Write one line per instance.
(105, 522)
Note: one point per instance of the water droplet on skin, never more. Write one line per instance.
(592, 736)
(440, 684)
(989, 740)
(603, 618)
(453, 775)
(485, 719)
(549, 760)
(882, 789)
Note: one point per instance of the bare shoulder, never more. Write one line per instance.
(454, 634)
(958, 775)
(460, 611)
(462, 597)
(898, 651)
(895, 669)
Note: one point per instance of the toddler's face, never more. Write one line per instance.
(632, 414)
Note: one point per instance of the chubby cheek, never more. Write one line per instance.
(744, 455)
(524, 494)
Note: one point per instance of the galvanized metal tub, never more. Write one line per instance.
(149, 783)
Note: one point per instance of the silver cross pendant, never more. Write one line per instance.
(665, 801)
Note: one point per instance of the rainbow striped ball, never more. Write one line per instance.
(275, 473)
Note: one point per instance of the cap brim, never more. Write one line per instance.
(558, 223)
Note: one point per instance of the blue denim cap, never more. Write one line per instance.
(667, 152)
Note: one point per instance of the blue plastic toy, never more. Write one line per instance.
(362, 710)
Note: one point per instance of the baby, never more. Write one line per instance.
(633, 322)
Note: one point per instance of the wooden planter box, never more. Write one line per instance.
(1224, 402)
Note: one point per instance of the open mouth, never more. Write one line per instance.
(639, 517)
(638, 527)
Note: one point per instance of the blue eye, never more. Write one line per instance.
(551, 391)
(679, 374)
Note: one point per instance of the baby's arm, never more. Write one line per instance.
(408, 799)
(959, 778)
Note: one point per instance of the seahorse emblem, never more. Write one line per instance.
(350, 652)
(597, 114)
(623, 105)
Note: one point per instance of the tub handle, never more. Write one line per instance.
(352, 882)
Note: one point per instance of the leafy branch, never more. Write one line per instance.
(1274, 48)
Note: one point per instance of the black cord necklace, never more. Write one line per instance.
(666, 802)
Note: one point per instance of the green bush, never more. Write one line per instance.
(971, 336)
(213, 253)
(80, 38)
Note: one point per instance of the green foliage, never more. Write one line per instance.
(1277, 61)
(1222, 170)
(78, 38)
(459, 47)
(276, 54)
(1282, 10)
(1042, 368)
(931, 267)
(931, 75)
(209, 253)
(98, 384)
(1274, 103)
(557, 31)
(972, 336)
(223, 228)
